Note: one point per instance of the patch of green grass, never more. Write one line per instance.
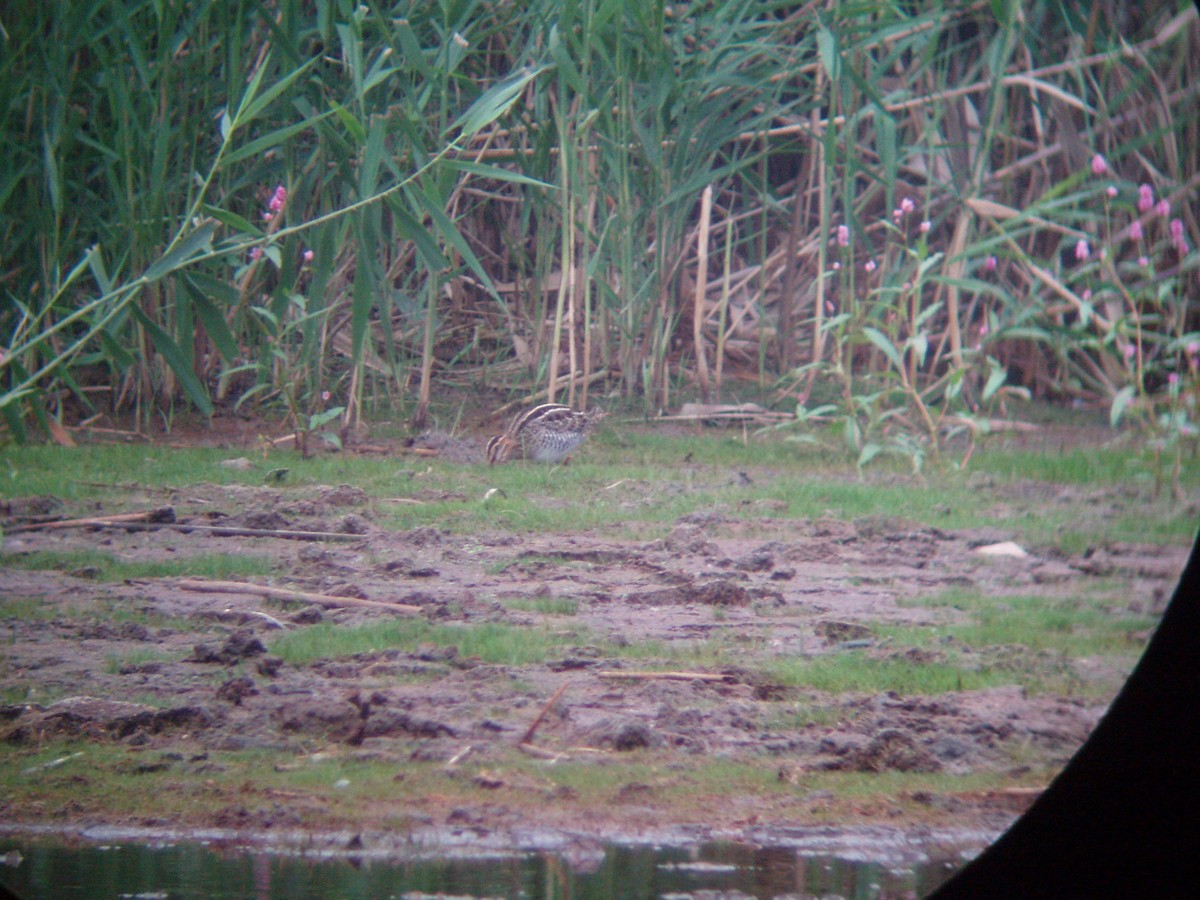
(105, 566)
(853, 671)
(115, 662)
(490, 642)
(1080, 625)
(549, 606)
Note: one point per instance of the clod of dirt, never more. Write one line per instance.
(238, 646)
(624, 735)
(41, 505)
(891, 749)
(832, 632)
(344, 495)
(236, 689)
(94, 717)
(689, 539)
(353, 524)
(264, 520)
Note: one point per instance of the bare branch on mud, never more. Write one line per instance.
(276, 593)
(675, 676)
(528, 736)
(164, 517)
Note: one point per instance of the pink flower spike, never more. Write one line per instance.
(267, 216)
(256, 252)
(1086, 295)
(1163, 208)
(1193, 348)
(924, 227)
(1111, 190)
(1145, 198)
(907, 206)
(843, 236)
(278, 199)
(1177, 230)
(1173, 379)
(1143, 261)
(325, 395)
(869, 265)
(983, 329)
(1129, 351)
(989, 264)
(1135, 231)
(1099, 165)
(308, 255)
(1082, 251)
(836, 265)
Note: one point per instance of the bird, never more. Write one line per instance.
(545, 433)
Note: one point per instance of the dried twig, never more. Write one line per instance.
(263, 590)
(674, 676)
(541, 715)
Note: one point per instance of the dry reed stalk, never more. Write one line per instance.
(698, 297)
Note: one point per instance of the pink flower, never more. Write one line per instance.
(1177, 237)
(1173, 379)
(1163, 208)
(925, 226)
(1086, 295)
(907, 206)
(843, 236)
(1111, 190)
(983, 329)
(1082, 251)
(1135, 231)
(256, 252)
(267, 217)
(869, 265)
(1193, 348)
(325, 395)
(1129, 351)
(1143, 261)
(836, 265)
(278, 199)
(989, 264)
(1145, 198)
(308, 255)
(829, 307)
(1099, 165)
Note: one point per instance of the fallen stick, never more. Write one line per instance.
(540, 753)
(676, 676)
(541, 715)
(163, 516)
(276, 593)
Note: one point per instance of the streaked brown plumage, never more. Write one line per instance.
(546, 433)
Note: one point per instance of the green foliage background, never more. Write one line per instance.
(512, 196)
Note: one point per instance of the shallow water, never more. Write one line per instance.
(874, 866)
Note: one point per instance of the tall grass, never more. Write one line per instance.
(914, 212)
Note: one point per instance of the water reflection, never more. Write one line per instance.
(56, 869)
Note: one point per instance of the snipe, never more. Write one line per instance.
(546, 433)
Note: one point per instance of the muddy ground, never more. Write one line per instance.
(200, 679)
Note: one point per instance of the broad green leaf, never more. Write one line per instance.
(233, 220)
(482, 170)
(996, 379)
(197, 241)
(177, 360)
(496, 101)
(880, 340)
(211, 320)
(1120, 402)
